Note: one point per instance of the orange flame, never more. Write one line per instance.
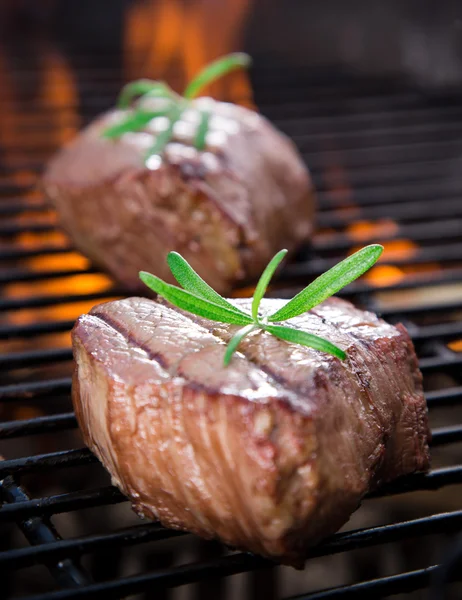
(173, 40)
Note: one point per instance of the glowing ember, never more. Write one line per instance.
(383, 275)
(361, 231)
(400, 249)
(455, 346)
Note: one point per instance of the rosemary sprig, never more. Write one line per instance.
(198, 298)
(174, 104)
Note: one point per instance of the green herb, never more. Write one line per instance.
(138, 117)
(165, 136)
(215, 70)
(199, 298)
(135, 121)
(199, 140)
(143, 87)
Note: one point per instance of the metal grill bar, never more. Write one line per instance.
(21, 253)
(37, 425)
(415, 310)
(439, 363)
(436, 479)
(182, 575)
(39, 531)
(34, 358)
(387, 175)
(43, 301)
(405, 582)
(386, 154)
(385, 586)
(41, 462)
(340, 122)
(342, 542)
(13, 275)
(369, 196)
(35, 388)
(17, 206)
(32, 329)
(444, 397)
(410, 211)
(446, 435)
(14, 228)
(61, 549)
(52, 505)
(419, 232)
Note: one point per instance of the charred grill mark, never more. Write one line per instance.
(131, 339)
(175, 368)
(279, 382)
(190, 169)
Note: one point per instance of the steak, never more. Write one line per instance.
(227, 210)
(270, 454)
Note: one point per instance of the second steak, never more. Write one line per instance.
(227, 209)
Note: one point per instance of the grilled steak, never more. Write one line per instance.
(270, 454)
(227, 209)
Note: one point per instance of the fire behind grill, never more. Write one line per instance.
(387, 161)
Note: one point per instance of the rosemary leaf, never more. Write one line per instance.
(192, 303)
(134, 122)
(264, 280)
(140, 88)
(236, 340)
(161, 90)
(303, 338)
(215, 70)
(193, 282)
(329, 283)
(201, 134)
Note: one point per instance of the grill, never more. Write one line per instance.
(386, 159)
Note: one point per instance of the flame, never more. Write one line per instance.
(173, 40)
(9, 104)
(59, 91)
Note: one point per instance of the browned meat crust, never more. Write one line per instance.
(270, 454)
(228, 210)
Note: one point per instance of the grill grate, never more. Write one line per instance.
(386, 160)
